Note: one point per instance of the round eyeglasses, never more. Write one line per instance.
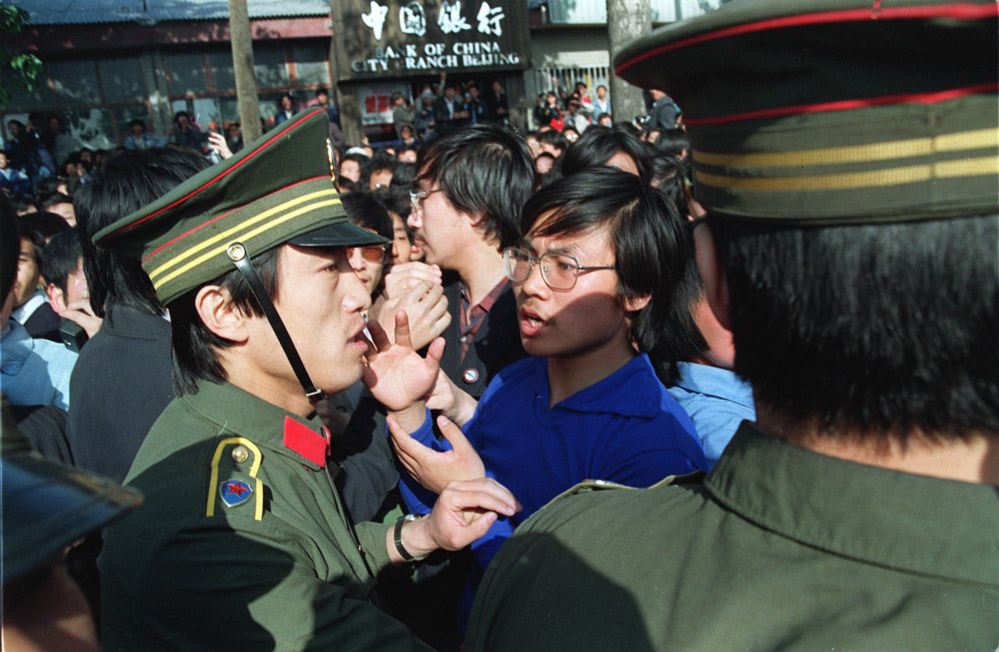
(559, 271)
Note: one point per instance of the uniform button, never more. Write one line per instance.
(464, 338)
(470, 375)
(240, 454)
(342, 409)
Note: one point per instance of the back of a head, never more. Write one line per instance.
(861, 269)
(123, 183)
(482, 169)
(651, 250)
(598, 144)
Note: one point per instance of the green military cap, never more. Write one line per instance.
(48, 506)
(279, 189)
(834, 111)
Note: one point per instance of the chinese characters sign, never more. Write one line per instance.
(397, 38)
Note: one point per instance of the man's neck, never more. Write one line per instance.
(267, 388)
(973, 460)
(574, 373)
(483, 271)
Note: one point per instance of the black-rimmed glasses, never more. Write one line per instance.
(559, 271)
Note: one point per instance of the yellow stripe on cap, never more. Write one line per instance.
(225, 235)
(243, 238)
(962, 141)
(258, 489)
(988, 165)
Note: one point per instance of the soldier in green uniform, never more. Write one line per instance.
(846, 153)
(243, 542)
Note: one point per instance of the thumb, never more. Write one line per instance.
(454, 435)
(477, 527)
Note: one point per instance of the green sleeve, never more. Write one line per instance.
(219, 589)
(372, 538)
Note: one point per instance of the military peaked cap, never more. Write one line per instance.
(834, 111)
(279, 189)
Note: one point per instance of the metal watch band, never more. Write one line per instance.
(397, 537)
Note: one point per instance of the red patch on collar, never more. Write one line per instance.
(306, 442)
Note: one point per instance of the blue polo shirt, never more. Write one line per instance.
(625, 428)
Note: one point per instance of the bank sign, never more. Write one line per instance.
(399, 38)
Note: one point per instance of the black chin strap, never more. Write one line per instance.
(237, 254)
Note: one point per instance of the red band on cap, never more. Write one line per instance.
(957, 11)
(223, 174)
(844, 105)
(187, 233)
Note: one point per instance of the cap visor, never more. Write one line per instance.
(343, 234)
(47, 506)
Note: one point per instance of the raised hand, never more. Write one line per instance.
(396, 374)
(426, 307)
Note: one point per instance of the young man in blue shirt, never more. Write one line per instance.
(595, 279)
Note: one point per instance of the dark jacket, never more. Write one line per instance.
(120, 385)
(497, 342)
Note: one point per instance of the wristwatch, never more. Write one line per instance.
(397, 537)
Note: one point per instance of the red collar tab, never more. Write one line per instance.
(306, 442)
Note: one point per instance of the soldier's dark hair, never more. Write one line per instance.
(877, 329)
(651, 250)
(195, 346)
(124, 182)
(598, 144)
(59, 258)
(482, 169)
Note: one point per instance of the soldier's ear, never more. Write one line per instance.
(218, 312)
(715, 286)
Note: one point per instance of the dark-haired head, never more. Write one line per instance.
(123, 183)
(60, 258)
(651, 250)
(613, 147)
(482, 169)
(882, 330)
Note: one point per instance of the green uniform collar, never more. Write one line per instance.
(256, 419)
(823, 502)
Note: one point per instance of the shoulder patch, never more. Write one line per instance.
(234, 492)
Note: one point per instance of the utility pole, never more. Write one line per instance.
(626, 21)
(346, 97)
(242, 65)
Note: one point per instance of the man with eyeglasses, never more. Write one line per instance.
(469, 189)
(595, 279)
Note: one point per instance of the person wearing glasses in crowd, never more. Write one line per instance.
(595, 278)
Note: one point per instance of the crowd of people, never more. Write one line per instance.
(580, 387)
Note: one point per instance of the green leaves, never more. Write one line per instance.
(17, 68)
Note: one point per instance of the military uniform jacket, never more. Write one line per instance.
(780, 547)
(242, 541)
